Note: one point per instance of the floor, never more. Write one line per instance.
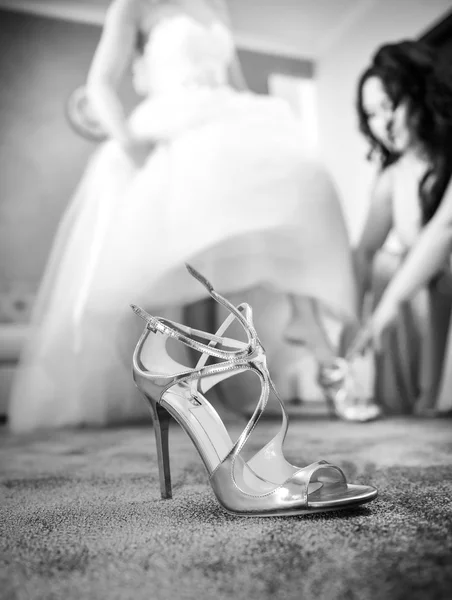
(82, 518)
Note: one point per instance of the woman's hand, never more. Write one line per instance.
(383, 318)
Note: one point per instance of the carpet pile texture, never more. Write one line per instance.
(81, 517)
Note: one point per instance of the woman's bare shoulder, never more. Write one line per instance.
(383, 185)
(386, 175)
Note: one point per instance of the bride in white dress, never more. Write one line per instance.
(200, 172)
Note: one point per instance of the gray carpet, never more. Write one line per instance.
(82, 518)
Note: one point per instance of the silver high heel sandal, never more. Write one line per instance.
(265, 485)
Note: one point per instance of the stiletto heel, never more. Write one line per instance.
(265, 485)
(161, 420)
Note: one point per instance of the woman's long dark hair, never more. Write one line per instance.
(412, 71)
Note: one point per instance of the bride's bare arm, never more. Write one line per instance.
(236, 76)
(112, 58)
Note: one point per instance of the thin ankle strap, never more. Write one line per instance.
(183, 334)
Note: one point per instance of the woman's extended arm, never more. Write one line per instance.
(423, 262)
(236, 76)
(377, 227)
(427, 257)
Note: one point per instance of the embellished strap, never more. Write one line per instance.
(186, 334)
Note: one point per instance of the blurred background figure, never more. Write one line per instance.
(405, 113)
(200, 172)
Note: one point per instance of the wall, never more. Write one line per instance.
(257, 68)
(337, 73)
(42, 61)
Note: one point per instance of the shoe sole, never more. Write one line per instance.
(306, 511)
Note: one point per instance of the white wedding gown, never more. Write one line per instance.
(231, 189)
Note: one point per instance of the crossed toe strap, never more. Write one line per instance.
(314, 482)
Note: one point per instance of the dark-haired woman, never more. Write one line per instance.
(405, 112)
